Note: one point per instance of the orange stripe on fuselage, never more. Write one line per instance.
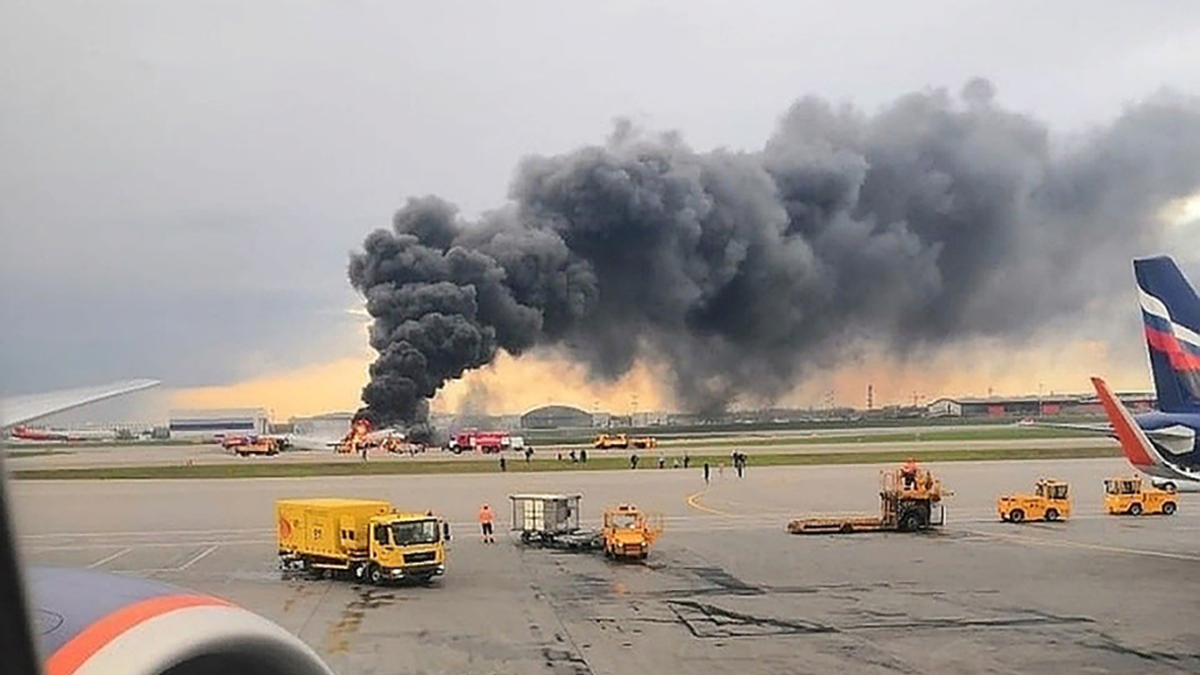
(1122, 423)
(92, 639)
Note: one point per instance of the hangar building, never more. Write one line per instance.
(207, 424)
(555, 417)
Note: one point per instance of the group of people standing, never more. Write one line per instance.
(739, 462)
(738, 459)
(662, 461)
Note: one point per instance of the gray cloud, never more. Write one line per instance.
(933, 221)
(173, 175)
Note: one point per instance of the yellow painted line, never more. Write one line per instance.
(693, 500)
(1066, 543)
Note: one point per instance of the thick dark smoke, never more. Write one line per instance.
(937, 219)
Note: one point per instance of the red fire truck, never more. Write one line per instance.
(483, 441)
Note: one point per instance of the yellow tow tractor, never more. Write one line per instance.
(1050, 501)
(629, 532)
(365, 539)
(1130, 495)
(910, 500)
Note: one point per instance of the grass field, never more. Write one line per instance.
(794, 429)
(23, 446)
(997, 434)
(355, 468)
(35, 453)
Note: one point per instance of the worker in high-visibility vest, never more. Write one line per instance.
(909, 473)
(485, 524)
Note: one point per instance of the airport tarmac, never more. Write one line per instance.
(727, 589)
(88, 456)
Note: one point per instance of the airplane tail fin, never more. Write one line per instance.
(1171, 319)
(1134, 442)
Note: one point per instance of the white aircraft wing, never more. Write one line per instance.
(1167, 435)
(1104, 429)
(29, 407)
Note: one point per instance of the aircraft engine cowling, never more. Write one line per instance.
(96, 623)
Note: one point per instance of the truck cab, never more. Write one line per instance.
(1130, 495)
(1050, 501)
(406, 546)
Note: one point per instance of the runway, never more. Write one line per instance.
(727, 588)
(89, 456)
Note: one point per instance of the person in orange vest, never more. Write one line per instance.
(909, 472)
(485, 524)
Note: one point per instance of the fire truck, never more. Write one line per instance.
(483, 441)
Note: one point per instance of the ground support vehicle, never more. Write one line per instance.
(629, 532)
(487, 442)
(259, 446)
(909, 501)
(1132, 496)
(552, 521)
(611, 441)
(364, 539)
(1050, 501)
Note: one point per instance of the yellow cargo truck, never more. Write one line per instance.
(366, 539)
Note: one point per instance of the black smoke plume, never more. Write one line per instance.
(937, 219)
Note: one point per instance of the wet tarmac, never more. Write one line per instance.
(726, 590)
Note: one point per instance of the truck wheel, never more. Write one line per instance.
(1051, 514)
(847, 528)
(375, 575)
(912, 520)
(1016, 515)
(1168, 508)
(1135, 509)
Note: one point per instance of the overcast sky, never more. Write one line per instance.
(181, 182)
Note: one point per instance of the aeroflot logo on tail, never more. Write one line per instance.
(1180, 344)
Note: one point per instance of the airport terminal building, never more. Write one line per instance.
(1034, 406)
(207, 424)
